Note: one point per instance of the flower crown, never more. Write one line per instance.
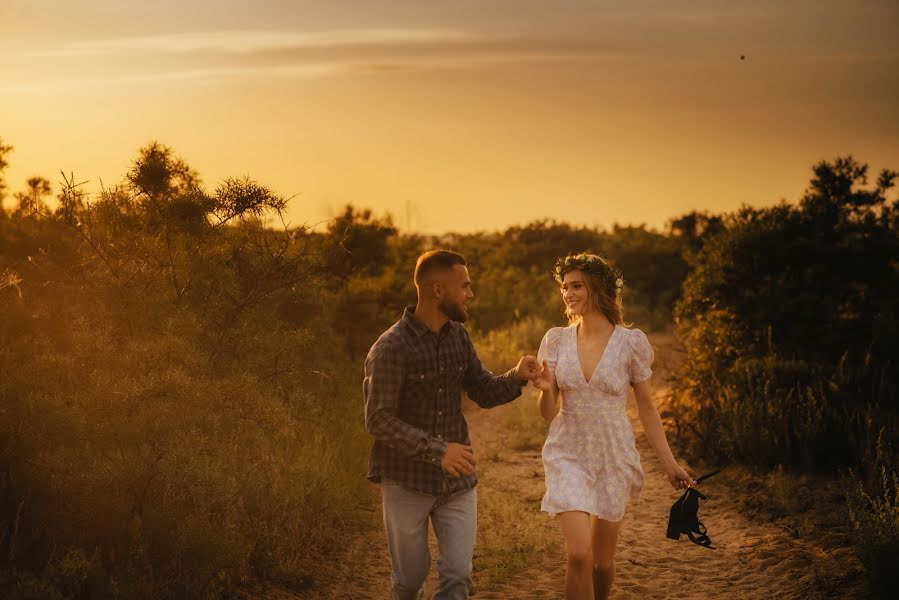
(589, 263)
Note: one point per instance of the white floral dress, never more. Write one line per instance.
(589, 457)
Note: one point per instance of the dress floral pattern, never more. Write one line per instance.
(589, 457)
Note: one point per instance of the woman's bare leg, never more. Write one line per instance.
(605, 536)
(578, 548)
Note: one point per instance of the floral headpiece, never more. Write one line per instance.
(589, 263)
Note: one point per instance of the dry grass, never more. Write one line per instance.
(511, 535)
(134, 464)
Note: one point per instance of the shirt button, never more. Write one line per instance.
(439, 389)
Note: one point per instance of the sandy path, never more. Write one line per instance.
(753, 560)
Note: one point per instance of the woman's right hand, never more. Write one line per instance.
(545, 380)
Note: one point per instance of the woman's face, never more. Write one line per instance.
(575, 293)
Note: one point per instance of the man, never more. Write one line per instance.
(414, 377)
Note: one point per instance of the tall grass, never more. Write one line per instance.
(874, 516)
(770, 410)
(872, 501)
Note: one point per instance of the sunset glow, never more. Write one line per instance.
(457, 115)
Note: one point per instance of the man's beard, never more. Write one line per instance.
(455, 312)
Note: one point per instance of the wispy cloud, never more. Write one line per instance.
(202, 58)
(286, 71)
(241, 42)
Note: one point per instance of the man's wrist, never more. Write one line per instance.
(521, 381)
(436, 450)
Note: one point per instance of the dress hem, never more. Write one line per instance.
(583, 510)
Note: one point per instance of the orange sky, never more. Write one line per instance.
(458, 115)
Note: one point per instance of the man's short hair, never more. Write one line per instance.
(436, 260)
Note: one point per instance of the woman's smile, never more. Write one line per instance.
(573, 302)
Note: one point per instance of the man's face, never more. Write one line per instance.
(455, 286)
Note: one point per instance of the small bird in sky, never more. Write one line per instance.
(742, 57)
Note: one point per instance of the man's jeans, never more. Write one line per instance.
(454, 518)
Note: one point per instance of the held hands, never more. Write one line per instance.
(527, 368)
(545, 380)
(679, 478)
(459, 460)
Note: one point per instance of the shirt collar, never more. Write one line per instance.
(420, 328)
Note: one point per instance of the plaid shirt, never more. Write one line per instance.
(413, 386)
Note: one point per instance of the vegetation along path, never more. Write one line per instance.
(520, 550)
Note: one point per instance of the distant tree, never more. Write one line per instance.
(540, 243)
(4, 150)
(694, 228)
(241, 198)
(162, 230)
(71, 200)
(168, 190)
(31, 201)
(654, 268)
(823, 270)
(360, 242)
(834, 195)
(362, 255)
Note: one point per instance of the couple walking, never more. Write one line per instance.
(415, 374)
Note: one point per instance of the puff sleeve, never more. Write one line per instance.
(640, 357)
(549, 348)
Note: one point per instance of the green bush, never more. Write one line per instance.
(791, 321)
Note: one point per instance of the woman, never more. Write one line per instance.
(592, 466)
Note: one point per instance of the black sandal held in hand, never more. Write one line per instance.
(684, 517)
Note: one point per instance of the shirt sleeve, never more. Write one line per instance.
(549, 348)
(641, 356)
(382, 388)
(482, 386)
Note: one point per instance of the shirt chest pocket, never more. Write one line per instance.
(418, 397)
(454, 370)
(419, 384)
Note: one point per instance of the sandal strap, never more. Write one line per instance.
(707, 475)
(701, 540)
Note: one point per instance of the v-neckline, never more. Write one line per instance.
(580, 368)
